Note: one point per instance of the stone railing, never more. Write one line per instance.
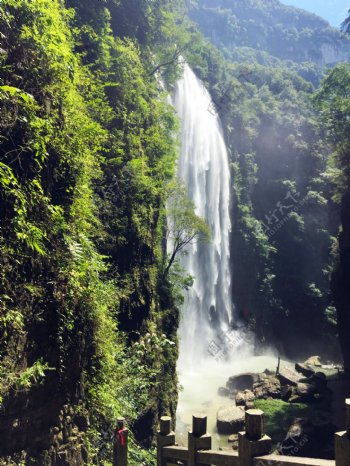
(254, 446)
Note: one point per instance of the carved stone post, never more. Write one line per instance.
(120, 450)
(165, 438)
(253, 442)
(198, 439)
(342, 442)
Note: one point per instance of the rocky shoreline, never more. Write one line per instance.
(297, 404)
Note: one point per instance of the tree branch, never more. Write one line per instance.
(169, 62)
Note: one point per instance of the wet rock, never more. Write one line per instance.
(306, 439)
(242, 398)
(313, 361)
(325, 395)
(269, 372)
(230, 420)
(268, 388)
(304, 369)
(242, 381)
(318, 379)
(233, 438)
(304, 389)
(297, 438)
(288, 376)
(304, 393)
(222, 391)
(286, 392)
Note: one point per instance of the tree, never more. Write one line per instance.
(333, 100)
(184, 226)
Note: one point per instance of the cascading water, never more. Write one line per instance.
(204, 168)
(212, 347)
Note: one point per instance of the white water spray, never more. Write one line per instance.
(212, 347)
(204, 168)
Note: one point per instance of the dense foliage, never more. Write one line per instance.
(285, 221)
(282, 209)
(88, 144)
(272, 34)
(333, 102)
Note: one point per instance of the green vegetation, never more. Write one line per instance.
(184, 226)
(280, 416)
(333, 102)
(271, 34)
(285, 220)
(87, 150)
(280, 163)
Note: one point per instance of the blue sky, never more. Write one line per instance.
(334, 11)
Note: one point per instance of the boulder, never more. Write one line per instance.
(318, 379)
(307, 439)
(297, 438)
(286, 392)
(313, 361)
(304, 369)
(242, 381)
(288, 376)
(230, 419)
(304, 393)
(242, 398)
(233, 438)
(269, 372)
(306, 389)
(324, 395)
(222, 391)
(268, 388)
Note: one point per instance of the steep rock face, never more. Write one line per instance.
(52, 435)
(80, 237)
(333, 54)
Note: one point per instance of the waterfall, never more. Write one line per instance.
(204, 168)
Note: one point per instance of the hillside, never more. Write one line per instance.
(86, 151)
(268, 32)
(276, 148)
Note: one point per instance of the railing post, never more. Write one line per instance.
(120, 450)
(342, 441)
(165, 438)
(253, 442)
(198, 439)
